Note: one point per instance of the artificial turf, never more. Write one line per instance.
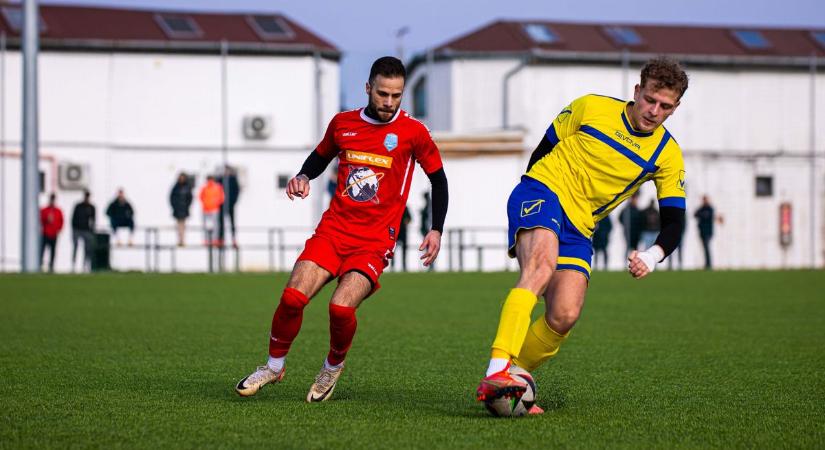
(678, 360)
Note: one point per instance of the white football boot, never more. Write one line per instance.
(262, 376)
(324, 384)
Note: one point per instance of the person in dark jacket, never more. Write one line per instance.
(650, 224)
(181, 200)
(121, 215)
(233, 191)
(601, 237)
(705, 217)
(632, 220)
(83, 225)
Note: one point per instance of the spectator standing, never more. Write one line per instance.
(229, 181)
(601, 238)
(83, 225)
(51, 222)
(631, 219)
(181, 200)
(212, 198)
(705, 217)
(121, 215)
(650, 224)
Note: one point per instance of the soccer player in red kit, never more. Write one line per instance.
(376, 147)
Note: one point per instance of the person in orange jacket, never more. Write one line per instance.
(212, 198)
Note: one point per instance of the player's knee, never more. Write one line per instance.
(293, 299)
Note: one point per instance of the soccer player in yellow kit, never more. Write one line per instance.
(595, 154)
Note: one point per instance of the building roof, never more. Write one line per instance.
(99, 28)
(607, 42)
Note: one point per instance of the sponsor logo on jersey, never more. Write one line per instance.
(681, 183)
(530, 207)
(362, 184)
(349, 133)
(369, 158)
(390, 141)
(374, 271)
(627, 140)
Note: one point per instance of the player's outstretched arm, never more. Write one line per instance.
(432, 241)
(430, 247)
(314, 165)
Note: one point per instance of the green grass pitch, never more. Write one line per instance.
(678, 360)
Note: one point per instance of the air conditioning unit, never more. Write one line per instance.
(73, 176)
(257, 127)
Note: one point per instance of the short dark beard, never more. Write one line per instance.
(373, 114)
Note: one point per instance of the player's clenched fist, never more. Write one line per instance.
(640, 264)
(298, 186)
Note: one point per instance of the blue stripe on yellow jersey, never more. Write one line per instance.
(599, 160)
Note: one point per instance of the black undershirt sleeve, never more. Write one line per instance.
(314, 165)
(440, 196)
(542, 150)
(673, 224)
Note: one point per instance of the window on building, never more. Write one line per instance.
(623, 36)
(420, 98)
(13, 15)
(819, 37)
(541, 33)
(178, 27)
(270, 27)
(764, 186)
(283, 180)
(752, 39)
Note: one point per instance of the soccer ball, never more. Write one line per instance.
(512, 406)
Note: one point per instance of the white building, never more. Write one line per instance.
(131, 98)
(747, 124)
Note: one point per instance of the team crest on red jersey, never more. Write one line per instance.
(362, 184)
(390, 141)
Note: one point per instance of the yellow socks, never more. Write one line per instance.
(541, 344)
(513, 324)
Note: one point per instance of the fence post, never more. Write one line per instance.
(281, 249)
(461, 250)
(270, 239)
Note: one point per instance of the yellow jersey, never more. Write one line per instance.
(599, 160)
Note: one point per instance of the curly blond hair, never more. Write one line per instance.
(667, 73)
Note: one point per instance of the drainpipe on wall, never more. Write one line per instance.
(505, 91)
(318, 204)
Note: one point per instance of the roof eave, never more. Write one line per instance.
(197, 47)
(539, 56)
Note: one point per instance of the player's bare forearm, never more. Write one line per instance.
(298, 186)
(430, 247)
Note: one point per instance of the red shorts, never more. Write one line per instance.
(339, 257)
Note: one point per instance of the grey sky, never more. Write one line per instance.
(365, 29)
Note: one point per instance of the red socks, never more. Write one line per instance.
(342, 325)
(286, 322)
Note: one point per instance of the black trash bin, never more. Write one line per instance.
(100, 253)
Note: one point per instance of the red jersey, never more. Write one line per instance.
(51, 220)
(375, 168)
